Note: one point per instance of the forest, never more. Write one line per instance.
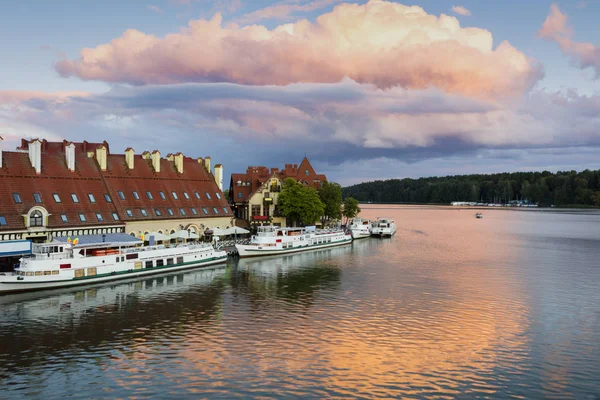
(561, 189)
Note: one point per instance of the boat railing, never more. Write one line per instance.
(51, 256)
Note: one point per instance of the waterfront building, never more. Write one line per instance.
(66, 189)
(253, 194)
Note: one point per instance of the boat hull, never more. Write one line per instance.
(384, 233)
(254, 251)
(360, 234)
(10, 284)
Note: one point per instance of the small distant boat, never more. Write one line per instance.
(383, 227)
(479, 215)
(360, 228)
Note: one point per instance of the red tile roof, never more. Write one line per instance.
(18, 176)
(256, 176)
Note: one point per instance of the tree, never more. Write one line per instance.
(299, 203)
(351, 208)
(331, 196)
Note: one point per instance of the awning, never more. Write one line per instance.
(183, 234)
(157, 236)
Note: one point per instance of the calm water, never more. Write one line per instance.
(451, 307)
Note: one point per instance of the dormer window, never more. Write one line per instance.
(144, 213)
(162, 195)
(92, 198)
(129, 213)
(149, 194)
(225, 210)
(197, 195)
(75, 198)
(170, 211)
(82, 217)
(204, 210)
(207, 195)
(218, 196)
(175, 195)
(17, 198)
(182, 211)
(107, 198)
(63, 218)
(37, 197)
(36, 218)
(157, 212)
(3, 220)
(56, 197)
(194, 211)
(186, 195)
(215, 210)
(136, 195)
(121, 195)
(99, 217)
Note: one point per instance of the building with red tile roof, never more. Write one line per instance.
(253, 194)
(51, 189)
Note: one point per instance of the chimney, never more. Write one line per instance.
(200, 160)
(219, 176)
(146, 155)
(35, 155)
(207, 163)
(129, 157)
(70, 155)
(101, 157)
(156, 160)
(179, 162)
(1, 140)
(170, 157)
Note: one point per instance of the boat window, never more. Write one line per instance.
(82, 217)
(169, 261)
(136, 195)
(207, 195)
(115, 216)
(175, 195)
(75, 198)
(160, 263)
(194, 211)
(99, 217)
(30, 273)
(197, 195)
(37, 197)
(55, 272)
(179, 260)
(92, 198)
(149, 194)
(121, 195)
(182, 211)
(218, 196)
(129, 212)
(56, 197)
(149, 264)
(186, 195)
(144, 213)
(38, 273)
(215, 210)
(132, 256)
(118, 258)
(47, 272)
(107, 198)
(170, 211)
(3, 220)
(162, 195)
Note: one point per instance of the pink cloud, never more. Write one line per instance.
(461, 11)
(555, 28)
(155, 9)
(284, 10)
(17, 96)
(382, 43)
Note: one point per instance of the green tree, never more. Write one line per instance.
(331, 196)
(299, 203)
(351, 208)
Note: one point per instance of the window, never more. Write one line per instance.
(82, 217)
(306, 172)
(144, 213)
(240, 195)
(204, 210)
(255, 209)
(225, 210)
(194, 211)
(175, 195)
(115, 216)
(99, 217)
(56, 197)
(136, 195)
(17, 198)
(121, 195)
(107, 198)
(129, 213)
(197, 195)
(207, 195)
(75, 198)
(186, 195)
(160, 263)
(218, 196)
(162, 195)
(3, 220)
(36, 218)
(92, 198)
(182, 211)
(64, 218)
(215, 210)
(149, 264)
(157, 212)
(179, 260)
(37, 197)
(149, 196)
(170, 211)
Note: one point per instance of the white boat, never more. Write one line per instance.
(383, 227)
(59, 264)
(271, 240)
(479, 215)
(360, 228)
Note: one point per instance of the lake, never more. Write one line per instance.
(450, 307)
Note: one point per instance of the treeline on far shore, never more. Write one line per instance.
(564, 188)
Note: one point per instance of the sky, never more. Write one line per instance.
(366, 90)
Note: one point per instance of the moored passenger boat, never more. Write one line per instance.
(383, 227)
(271, 240)
(360, 228)
(99, 259)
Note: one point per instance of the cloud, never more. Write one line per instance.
(555, 28)
(381, 43)
(284, 10)
(580, 5)
(461, 11)
(155, 9)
